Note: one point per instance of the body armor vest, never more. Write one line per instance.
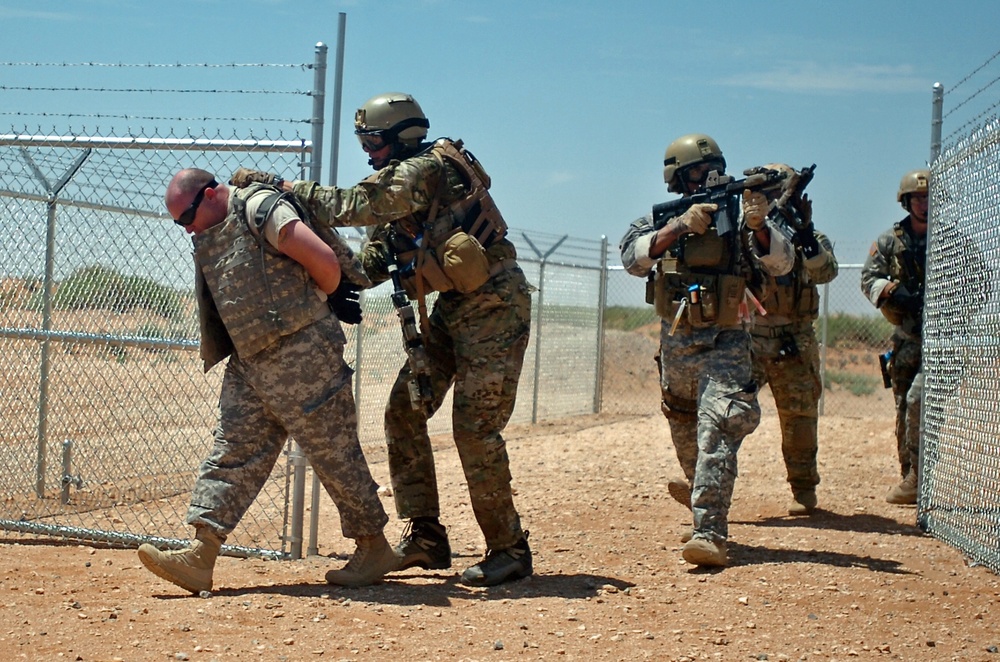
(457, 234)
(707, 274)
(260, 294)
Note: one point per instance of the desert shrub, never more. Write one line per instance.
(99, 287)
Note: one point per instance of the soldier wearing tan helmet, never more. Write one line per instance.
(703, 277)
(893, 280)
(785, 351)
(432, 217)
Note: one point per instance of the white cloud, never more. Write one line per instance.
(815, 77)
(558, 178)
(42, 15)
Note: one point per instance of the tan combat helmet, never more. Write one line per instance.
(686, 151)
(914, 181)
(394, 116)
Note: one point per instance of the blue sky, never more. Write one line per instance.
(570, 105)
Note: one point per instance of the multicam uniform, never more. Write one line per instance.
(786, 356)
(474, 339)
(708, 394)
(286, 376)
(899, 255)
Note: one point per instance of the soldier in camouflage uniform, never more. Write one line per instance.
(433, 217)
(785, 351)
(263, 301)
(701, 281)
(893, 280)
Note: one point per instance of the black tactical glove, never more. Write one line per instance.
(345, 302)
(806, 240)
(903, 299)
(243, 177)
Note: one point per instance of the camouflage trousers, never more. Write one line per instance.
(907, 389)
(476, 343)
(710, 402)
(796, 387)
(299, 387)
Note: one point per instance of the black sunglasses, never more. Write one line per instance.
(187, 218)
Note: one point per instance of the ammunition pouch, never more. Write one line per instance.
(793, 303)
(712, 300)
(459, 264)
(707, 250)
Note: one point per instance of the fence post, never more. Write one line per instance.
(937, 106)
(299, 461)
(602, 293)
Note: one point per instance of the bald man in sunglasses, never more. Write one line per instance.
(262, 296)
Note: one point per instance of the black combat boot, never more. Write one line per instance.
(501, 566)
(424, 544)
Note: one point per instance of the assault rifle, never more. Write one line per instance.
(719, 189)
(421, 393)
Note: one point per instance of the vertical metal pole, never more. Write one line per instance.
(937, 106)
(298, 459)
(43, 376)
(319, 101)
(538, 340)
(602, 293)
(338, 88)
(823, 334)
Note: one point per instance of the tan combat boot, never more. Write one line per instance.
(906, 492)
(680, 490)
(372, 559)
(705, 553)
(803, 503)
(189, 568)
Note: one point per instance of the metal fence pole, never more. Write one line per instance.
(298, 460)
(313, 548)
(602, 303)
(937, 107)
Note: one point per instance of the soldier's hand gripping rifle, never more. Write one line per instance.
(421, 393)
(719, 189)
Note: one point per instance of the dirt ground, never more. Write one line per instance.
(857, 580)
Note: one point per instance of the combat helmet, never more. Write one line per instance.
(688, 151)
(394, 117)
(915, 181)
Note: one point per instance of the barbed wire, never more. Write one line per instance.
(960, 129)
(155, 117)
(972, 96)
(178, 65)
(974, 72)
(150, 90)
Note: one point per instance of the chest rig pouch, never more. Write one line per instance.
(449, 251)
(699, 279)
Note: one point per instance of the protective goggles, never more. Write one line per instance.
(371, 142)
(187, 217)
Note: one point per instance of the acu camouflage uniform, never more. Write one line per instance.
(286, 376)
(474, 341)
(786, 355)
(899, 255)
(708, 394)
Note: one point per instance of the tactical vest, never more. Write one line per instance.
(708, 275)
(791, 298)
(451, 249)
(260, 294)
(906, 266)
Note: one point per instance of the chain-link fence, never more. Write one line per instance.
(960, 449)
(106, 412)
